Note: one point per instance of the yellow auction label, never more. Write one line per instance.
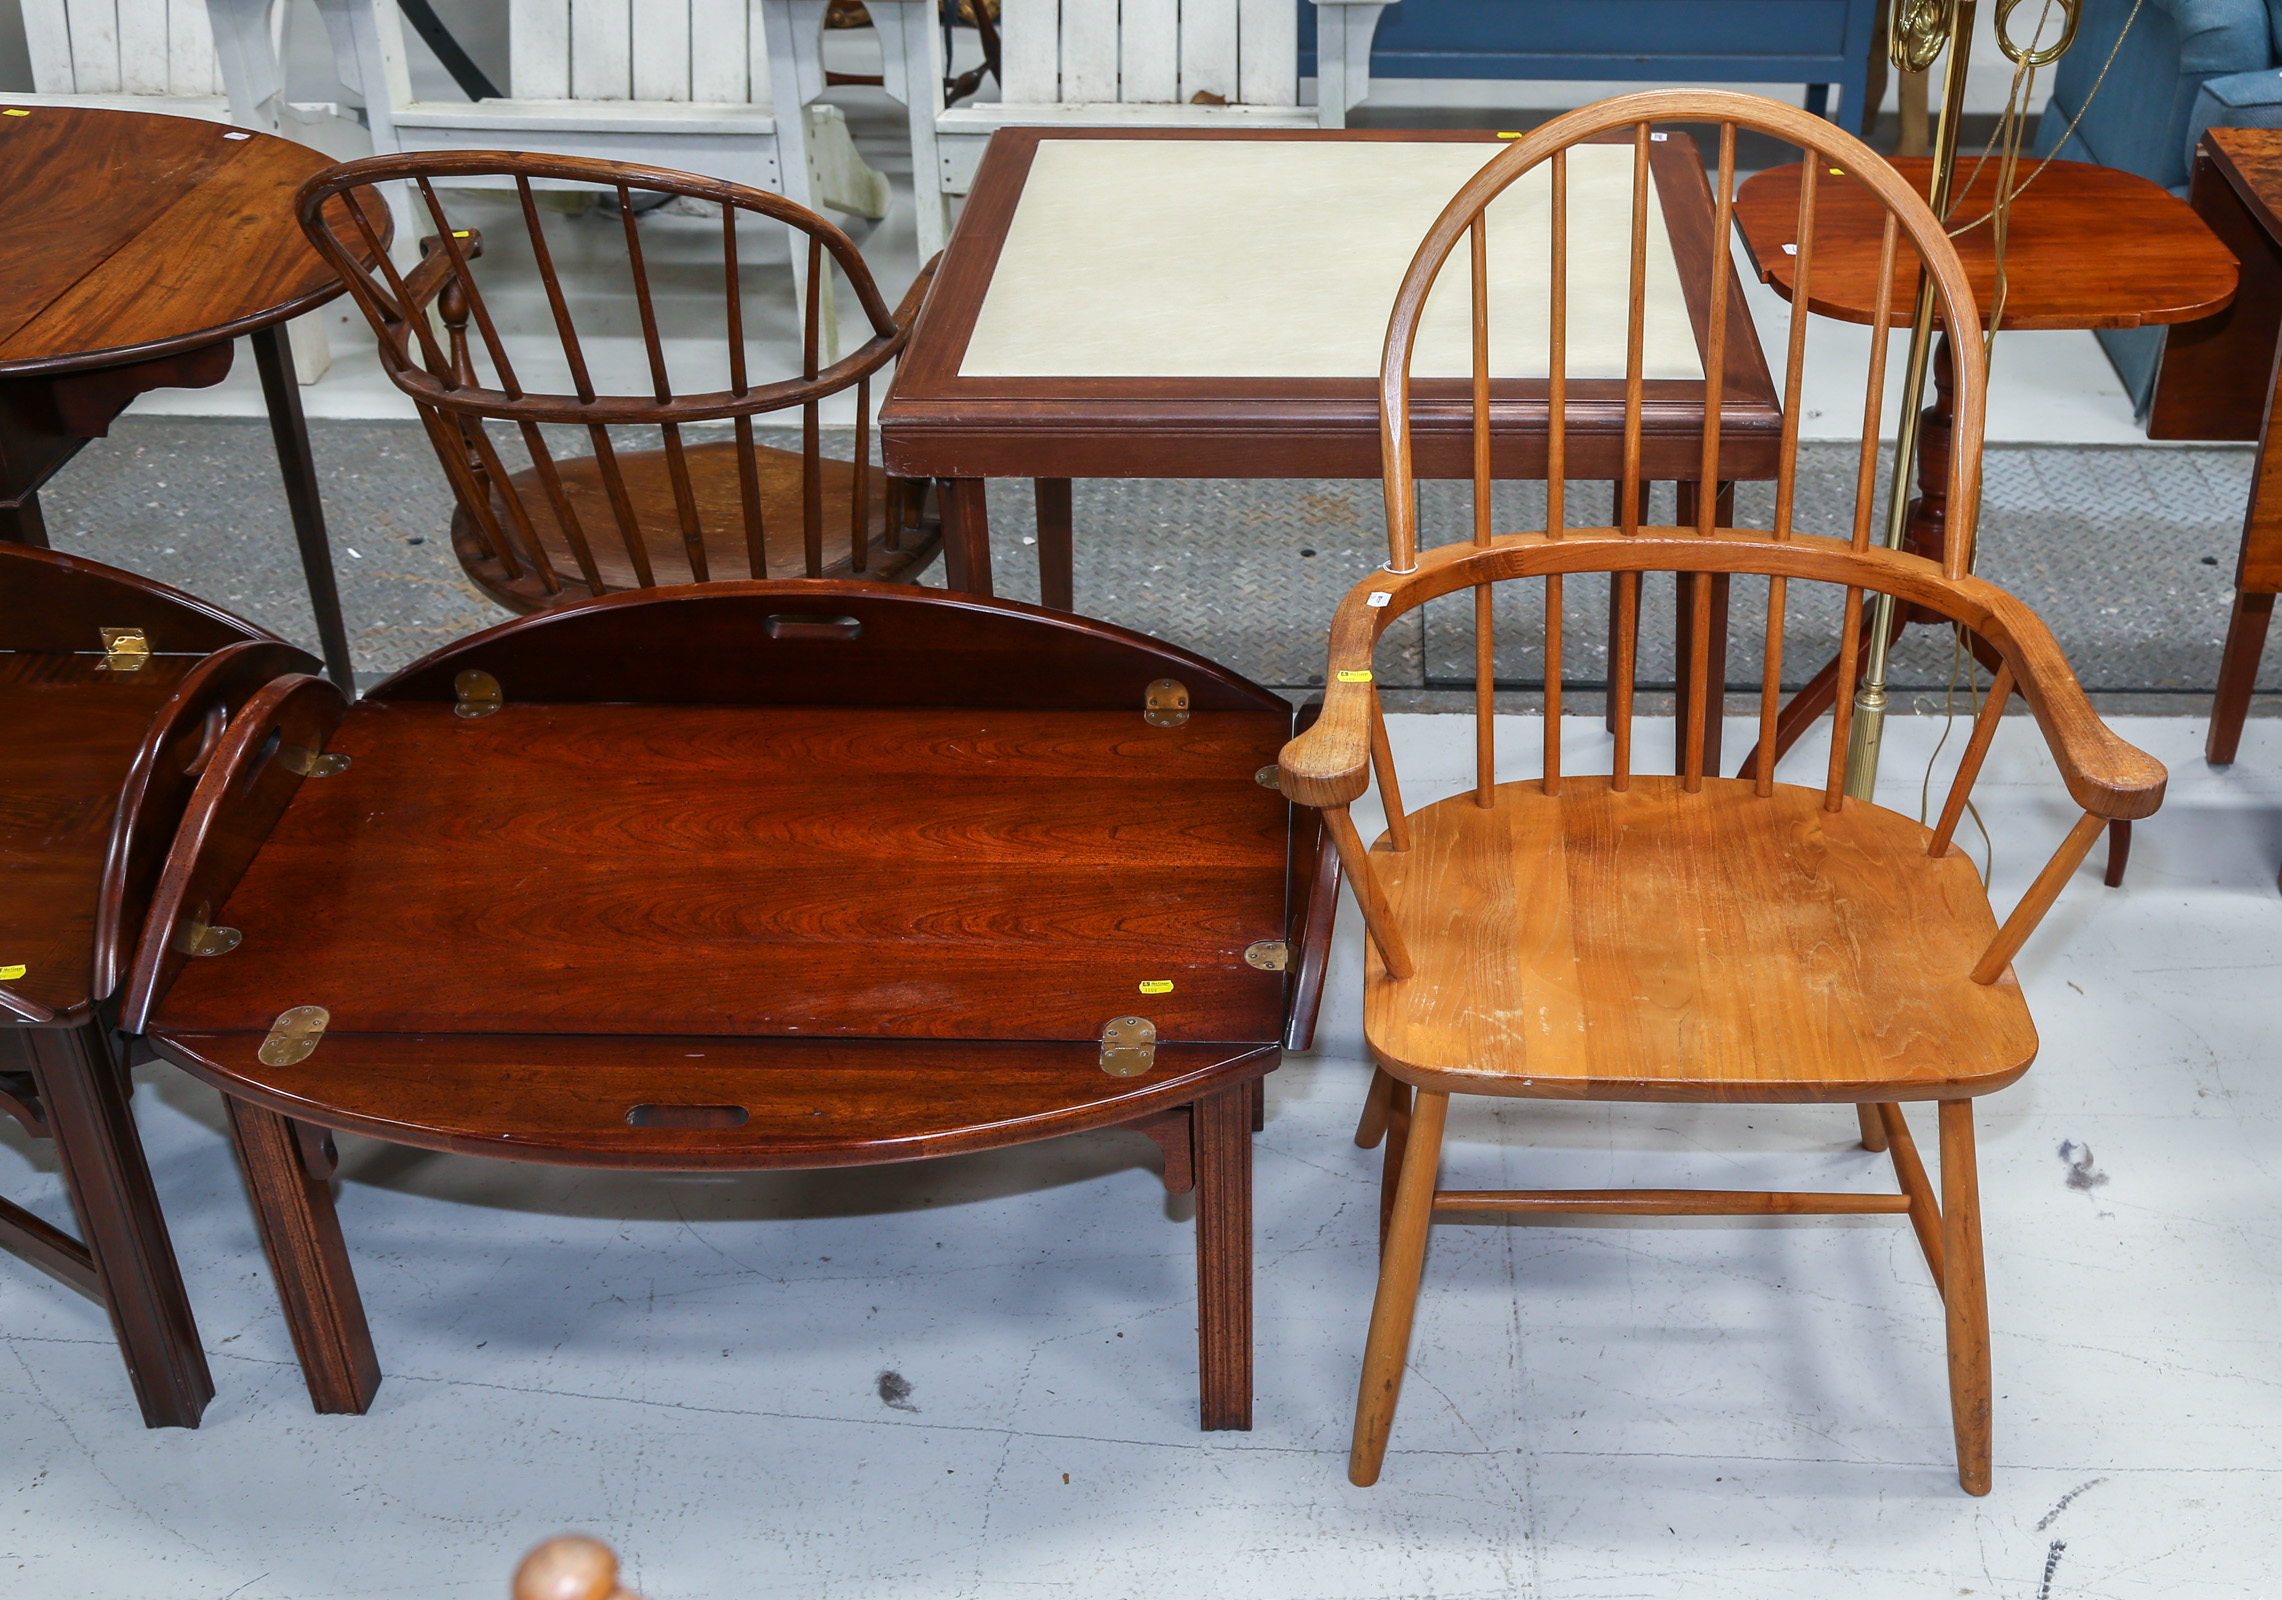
(13, 112)
(11, 974)
(1156, 986)
(1363, 676)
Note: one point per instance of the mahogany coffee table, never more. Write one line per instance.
(2089, 247)
(1168, 303)
(744, 876)
(135, 248)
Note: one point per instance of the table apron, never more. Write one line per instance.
(1109, 451)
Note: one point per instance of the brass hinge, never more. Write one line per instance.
(478, 692)
(1269, 955)
(294, 1035)
(197, 938)
(1128, 1046)
(1268, 777)
(124, 650)
(1165, 703)
(301, 759)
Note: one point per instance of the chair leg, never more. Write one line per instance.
(86, 1091)
(1372, 1126)
(1965, 1296)
(2119, 850)
(1392, 1309)
(1873, 1130)
(1390, 1167)
(1221, 1126)
(310, 1261)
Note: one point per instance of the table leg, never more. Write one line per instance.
(85, 1088)
(1223, 1133)
(301, 1235)
(22, 523)
(966, 535)
(299, 469)
(1056, 583)
(2238, 675)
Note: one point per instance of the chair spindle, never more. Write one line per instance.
(1969, 765)
(1485, 636)
(1383, 764)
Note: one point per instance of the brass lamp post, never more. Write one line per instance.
(1916, 35)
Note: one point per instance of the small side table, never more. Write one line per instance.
(137, 247)
(2088, 247)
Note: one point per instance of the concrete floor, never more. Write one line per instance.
(698, 1369)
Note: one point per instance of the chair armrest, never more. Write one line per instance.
(1330, 763)
(423, 281)
(2108, 776)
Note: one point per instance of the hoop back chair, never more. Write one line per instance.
(570, 527)
(1687, 938)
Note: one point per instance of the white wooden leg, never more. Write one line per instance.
(312, 351)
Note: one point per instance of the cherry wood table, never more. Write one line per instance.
(113, 690)
(746, 876)
(1210, 304)
(136, 248)
(2088, 247)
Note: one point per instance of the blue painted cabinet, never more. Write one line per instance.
(1814, 42)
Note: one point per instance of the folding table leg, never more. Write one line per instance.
(290, 429)
(966, 535)
(85, 1088)
(1057, 585)
(309, 1259)
(1223, 1133)
(22, 522)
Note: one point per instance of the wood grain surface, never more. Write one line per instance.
(153, 234)
(76, 870)
(2089, 247)
(1656, 945)
(669, 869)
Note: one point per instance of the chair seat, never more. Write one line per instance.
(716, 488)
(1658, 945)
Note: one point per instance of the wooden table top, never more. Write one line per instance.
(131, 235)
(661, 869)
(2088, 247)
(1057, 343)
(2251, 160)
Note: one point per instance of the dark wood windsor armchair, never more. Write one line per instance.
(618, 514)
(1688, 937)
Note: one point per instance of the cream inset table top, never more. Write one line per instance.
(1281, 258)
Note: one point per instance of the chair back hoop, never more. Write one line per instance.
(395, 303)
(630, 512)
(1830, 151)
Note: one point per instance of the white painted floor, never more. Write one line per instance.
(692, 1368)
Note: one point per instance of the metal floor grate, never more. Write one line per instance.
(2127, 553)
